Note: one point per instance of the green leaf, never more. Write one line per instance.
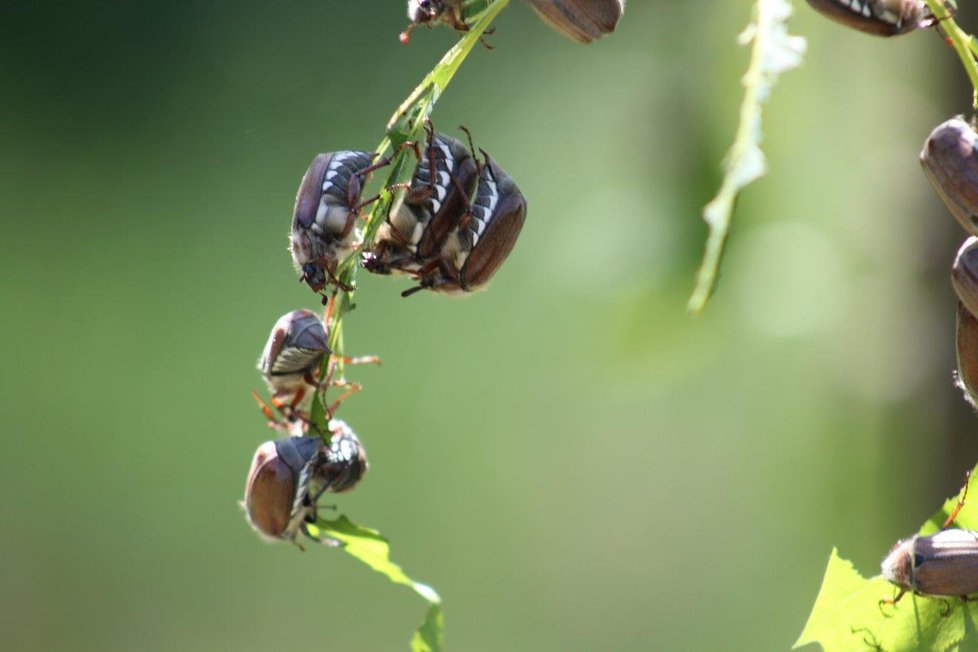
(773, 51)
(848, 615)
(371, 548)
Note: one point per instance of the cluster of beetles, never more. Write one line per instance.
(941, 564)
(450, 229)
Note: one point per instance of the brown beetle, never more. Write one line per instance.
(325, 214)
(941, 564)
(482, 239)
(950, 161)
(878, 17)
(581, 20)
(423, 217)
(293, 356)
(288, 476)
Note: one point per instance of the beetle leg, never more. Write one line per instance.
(890, 601)
(337, 282)
(478, 166)
(267, 411)
(361, 359)
(869, 638)
(947, 609)
(957, 508)
(352, 388)
(366, 202)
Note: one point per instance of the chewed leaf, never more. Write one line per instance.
(370, 547)
(848, 615)
(773, 51)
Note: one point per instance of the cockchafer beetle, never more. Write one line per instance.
(426, 12)
(421, 220)
(879, 17)
(581, 20)
(325, 214)
(483, 238)
(293, 356)
(941, 564)
(950, 161)
(966, 343)
(964, 274)
(288, 476)
(291, 364)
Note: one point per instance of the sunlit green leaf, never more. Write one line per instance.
(370, 547)
(848, 615)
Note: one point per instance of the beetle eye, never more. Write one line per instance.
(313, 275)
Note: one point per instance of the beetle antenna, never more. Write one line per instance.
(478, 166)
(488, 159)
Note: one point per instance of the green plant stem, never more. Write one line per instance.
(405, 126)
(963, 43)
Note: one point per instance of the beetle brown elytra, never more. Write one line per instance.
(944, 564)
(878, 17)
(483, 238)
(288, 476)
(964, 274)
(293, 355)
(421, 220)
(950, 161)
(325, 214)
(582, 20)
(966, 344)
(276, 498)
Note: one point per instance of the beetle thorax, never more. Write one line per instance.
(898, 565)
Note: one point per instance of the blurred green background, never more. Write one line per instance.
(568, 458)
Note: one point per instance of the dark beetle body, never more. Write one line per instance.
(878, 17)
(942, 564)
(950, 161)
(288, 476)
(964, 274)
(421, 221)
(966, 346)
(476, 249)
(581, 20)
(277, 490)
(346, 460)
(294, 352)
(325, 214)
(450, 12)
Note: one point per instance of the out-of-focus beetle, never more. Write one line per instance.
(966, 343)
(346, 460)
(581, 20)
(964, 274)
(293, 355)
(950, 161)
(288, 476)
(421, 220)
(325, 214)
(426, 12)
(941, 564)
(277, 490)
(878, 17)
(482, 239)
